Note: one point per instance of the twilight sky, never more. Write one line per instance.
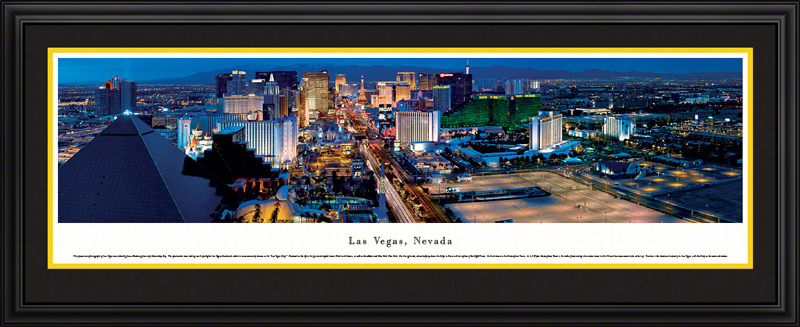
(141, 69)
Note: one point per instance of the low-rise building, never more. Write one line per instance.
(428, 164)
(610, 167)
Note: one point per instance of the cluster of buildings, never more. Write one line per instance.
(274, 140)
(264, 96)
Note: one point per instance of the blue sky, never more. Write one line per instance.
(91, 69)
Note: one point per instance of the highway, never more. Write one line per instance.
(433, 211)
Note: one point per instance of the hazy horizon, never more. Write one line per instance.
(74, 70)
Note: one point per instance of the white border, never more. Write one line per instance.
(523, 239)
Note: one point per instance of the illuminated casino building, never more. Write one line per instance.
(391, 92)
(416, 126)
(426, 82)
(340, 79)
(512, 113)
(411, 105)
(545, 131)
(275, 140)
(385, 118)
(315, 86)
(408, 77)
(242, 104)
(619, 129)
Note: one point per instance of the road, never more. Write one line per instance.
(434, 211)
(393, 199)
(372, 150)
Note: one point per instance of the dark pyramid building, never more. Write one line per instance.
(131, 174)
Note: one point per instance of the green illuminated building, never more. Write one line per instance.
(511, 112)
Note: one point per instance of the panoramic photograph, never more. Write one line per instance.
(400, 140)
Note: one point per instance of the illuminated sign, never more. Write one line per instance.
(445, 75)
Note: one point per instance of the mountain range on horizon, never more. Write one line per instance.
(389, 73)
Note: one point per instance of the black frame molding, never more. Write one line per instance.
(19, 14)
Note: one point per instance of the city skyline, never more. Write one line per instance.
(297, 143)
(80, 70)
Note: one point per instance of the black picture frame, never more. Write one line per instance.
(21, 260)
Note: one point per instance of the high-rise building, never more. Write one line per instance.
(257, 86)
(391, 92)
(484, 85)
(441, 98)
(285, 79)
(106, 101)
(427, 81)
(116, 96)
(411, 105)
(294, 101)
(545, 130)
(619, 129)
(315, 85)
(238, 83)
(272, 96)
(402, 91)
(184, 131)
(519, 86)
(275, 139)
(222, 84)
(243, 104)
(417, 126)
(460, 86)
(349, 90)
(340, 79)
(302, 108)
(127, 93)
(283, 109)
(408, 77)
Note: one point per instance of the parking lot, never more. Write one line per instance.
(670, 178)
(570, 202)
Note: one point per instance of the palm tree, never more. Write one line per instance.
(275, 213)
(257, 214)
